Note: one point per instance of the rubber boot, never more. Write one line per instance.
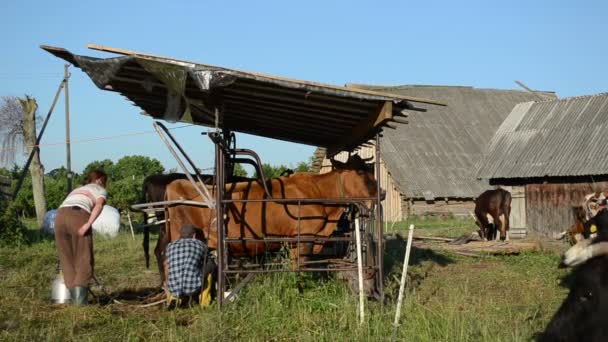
(72, 295)
(80, 296)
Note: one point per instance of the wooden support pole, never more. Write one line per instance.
(360, 273)
(408, 250)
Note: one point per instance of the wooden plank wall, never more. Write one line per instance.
(548, 206)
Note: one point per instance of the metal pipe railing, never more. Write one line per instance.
(199, 187)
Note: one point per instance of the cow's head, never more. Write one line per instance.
(592, 203)
(357, 177)
(585, 250)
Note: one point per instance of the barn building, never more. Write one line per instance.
(428, 165)
(551, 154)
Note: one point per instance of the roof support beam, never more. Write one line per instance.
(371, 124)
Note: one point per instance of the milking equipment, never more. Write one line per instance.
(60, 294)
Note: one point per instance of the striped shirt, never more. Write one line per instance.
(185, 259)
(85, 197)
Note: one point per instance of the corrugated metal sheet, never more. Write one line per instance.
(556, 138)
(437, 152)
(264, 105)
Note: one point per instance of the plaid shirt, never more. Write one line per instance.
(185, 257)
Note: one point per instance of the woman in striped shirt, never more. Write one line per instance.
(73, 233)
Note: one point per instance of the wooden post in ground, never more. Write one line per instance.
(408, 249)
(360, 273)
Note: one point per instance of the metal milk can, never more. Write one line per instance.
(60, 293)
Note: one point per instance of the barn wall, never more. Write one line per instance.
(391, 205)
(548, 206)
(395, 206)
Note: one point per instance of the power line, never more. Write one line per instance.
(80, 141)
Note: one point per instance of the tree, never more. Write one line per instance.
(18, 125)
(302, 167)
(56, 186)
(126, 177)
(106, 165)
(239, 170)
(271, 171)
(136, 166)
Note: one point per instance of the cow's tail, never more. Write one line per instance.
(146, 242)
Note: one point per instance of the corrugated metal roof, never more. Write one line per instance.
(564, 137)
(438, 151)
(265, 105)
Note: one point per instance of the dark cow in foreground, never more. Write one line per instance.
(154, 188)
(583, 316)
(256, 219)
(492, 208)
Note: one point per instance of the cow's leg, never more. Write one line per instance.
(501, 221)
(482, 222)
(507, 213)
(146, 245)
(302, 253)
(491, 228)
(159, 252)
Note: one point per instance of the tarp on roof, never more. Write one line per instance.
(298, 111)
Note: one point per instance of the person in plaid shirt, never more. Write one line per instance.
(185, 258)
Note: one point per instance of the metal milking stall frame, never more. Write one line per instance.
(225, 155)
(230, 100)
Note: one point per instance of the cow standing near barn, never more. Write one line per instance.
(492, 208)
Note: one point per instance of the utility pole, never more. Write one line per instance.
(67, 127)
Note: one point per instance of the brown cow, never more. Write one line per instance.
(257, 220)
(495, 205)
(154, 187)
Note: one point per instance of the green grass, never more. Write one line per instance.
(435, 226)
(449, 298)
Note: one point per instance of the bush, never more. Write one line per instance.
(12, 231)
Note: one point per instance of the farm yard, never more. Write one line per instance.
(275, 167)
(448, 298)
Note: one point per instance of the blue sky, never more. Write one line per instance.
(549, 45)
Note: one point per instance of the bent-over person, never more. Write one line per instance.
(74, 235)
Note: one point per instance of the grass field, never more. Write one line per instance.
(449, 298)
